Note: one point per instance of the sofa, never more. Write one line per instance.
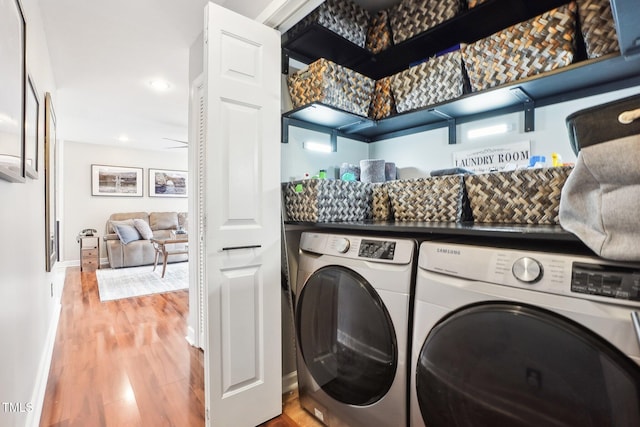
(128, 237)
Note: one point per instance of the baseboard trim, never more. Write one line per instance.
(290, 382)
(191, 337)
(40, 388)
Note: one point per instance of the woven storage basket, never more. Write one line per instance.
(329, 83)
(412, 17)
(343, 17)
(441, 198)
(323, 200)
(379, 33)
(541, 44)
(381, 203)
(524, 196)
(598, 28)
(436, 80)
(382, 105)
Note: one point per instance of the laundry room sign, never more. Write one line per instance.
(495, 158)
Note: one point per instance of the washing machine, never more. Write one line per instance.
(352, 304)
(513, 337)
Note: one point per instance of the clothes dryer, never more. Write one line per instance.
(351, 316)
(505, 337)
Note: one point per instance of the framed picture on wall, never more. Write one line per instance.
(32, 126)
(118, 181)
(167, 183)
(12, 91)
(50, 206)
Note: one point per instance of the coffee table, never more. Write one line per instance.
(161, 247)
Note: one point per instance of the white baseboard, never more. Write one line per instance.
(290, 382)
(40, 388)
(191, 337)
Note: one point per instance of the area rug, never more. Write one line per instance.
(118, 283)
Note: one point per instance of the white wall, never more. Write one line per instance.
(418, 154)
(28, 311)
(82, 210)
(296, 161)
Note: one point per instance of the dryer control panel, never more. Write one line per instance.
(588, 277)
(606, 280)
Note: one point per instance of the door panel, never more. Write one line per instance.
(240, 307)
(243, 348)
(243, 163)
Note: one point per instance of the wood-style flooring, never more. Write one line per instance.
(127, 363)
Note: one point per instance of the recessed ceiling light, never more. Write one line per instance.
(159, 85)
(123, 138)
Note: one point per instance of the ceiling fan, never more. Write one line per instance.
(186, 143)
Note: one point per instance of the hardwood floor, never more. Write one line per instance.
(127, 363)
(124, 362)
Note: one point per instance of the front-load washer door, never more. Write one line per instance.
(503, 364)
(346, 336)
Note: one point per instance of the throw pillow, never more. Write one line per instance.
(143, 228)
(122, 221)
(126, 233)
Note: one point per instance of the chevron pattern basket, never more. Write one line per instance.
(343, 17)
(436, 80)
(598, 28)
(525, 196)
(379, 32)
(383, 104)
(412, 17)
(381, 203)
(329, 83)
(432, 199)
(541, 44)
(323, 200)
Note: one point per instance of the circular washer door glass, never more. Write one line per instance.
(346, 336)
(503, 364)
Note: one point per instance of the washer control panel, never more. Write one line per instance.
(386, 250)
(607, 281)
(377, 249)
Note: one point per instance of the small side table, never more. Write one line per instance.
(160, 245)
(89, 253)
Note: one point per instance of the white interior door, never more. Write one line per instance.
(243, 348)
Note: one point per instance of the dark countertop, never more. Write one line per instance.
(541, 237)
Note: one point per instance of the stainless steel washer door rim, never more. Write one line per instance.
(346, 336)
(501, 363)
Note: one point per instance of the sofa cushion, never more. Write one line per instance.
(143, 228)
(163, 220)
(126, 232)
(124, 216)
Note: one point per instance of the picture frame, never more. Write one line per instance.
(32, 129)
(116, 181)
(50, 194)
(12, 91)
(168, 183)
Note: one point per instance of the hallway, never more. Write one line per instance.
(124, 362)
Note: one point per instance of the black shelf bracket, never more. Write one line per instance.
(332, 132)
(528, 107)
(285, 61)
(451, 124)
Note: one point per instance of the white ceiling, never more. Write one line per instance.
(105, 53)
